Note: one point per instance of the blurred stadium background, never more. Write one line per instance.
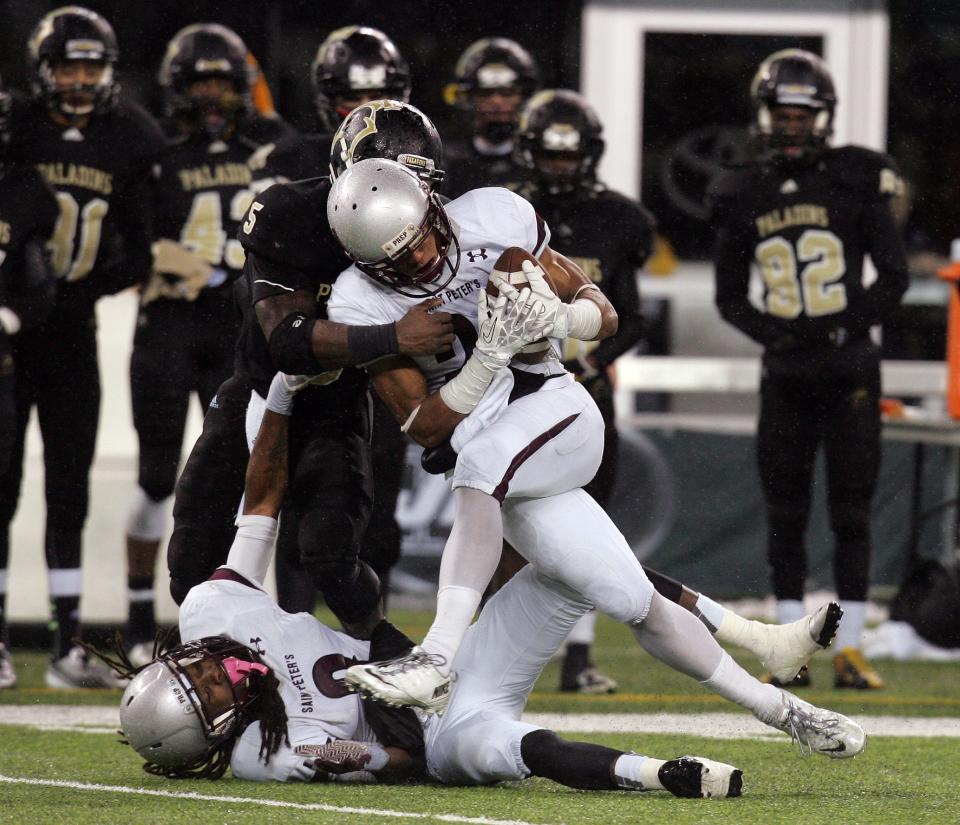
(670, 81)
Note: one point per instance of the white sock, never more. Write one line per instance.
(584, 632)
(850, 632)
(789, 610)
(469, 560)
(455, 609)
(732, 682)
(711, 613)
(633, 772)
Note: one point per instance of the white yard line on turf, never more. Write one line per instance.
(105, 719)
(267, 803)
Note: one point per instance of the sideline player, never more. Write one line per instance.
(559, 143)
(187, 324)
(97, 153)
(492, 79)
(523, 436)
(807, 214)
(279, 713)
(28, 213)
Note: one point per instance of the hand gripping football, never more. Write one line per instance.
(509, 268)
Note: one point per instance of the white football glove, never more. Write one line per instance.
(514, 320)
(178, 273)
(580, 319)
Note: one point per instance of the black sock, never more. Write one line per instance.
(574, 764)
(141, 624)
(3, 617)
(577, 659)
(66, 610)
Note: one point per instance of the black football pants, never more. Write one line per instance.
(797, 415)
(179, 347)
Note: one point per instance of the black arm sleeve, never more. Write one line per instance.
(32, 296)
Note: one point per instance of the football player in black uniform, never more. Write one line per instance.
(559, 143)
(187, 325)
(492, 79)
(97, 153)
(353, 65)
(806, 214)
(28, 212)
(292, 259)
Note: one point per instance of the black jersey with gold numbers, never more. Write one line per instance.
(290, 248)
(99, 173)
(609, 236)
(807, 229)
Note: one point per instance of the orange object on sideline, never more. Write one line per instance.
(951, 273)
(259, 90)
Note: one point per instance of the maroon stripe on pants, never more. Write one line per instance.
(500, 492)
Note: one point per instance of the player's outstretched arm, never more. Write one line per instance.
(302, 344)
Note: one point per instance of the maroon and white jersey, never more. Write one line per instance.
(304, 654)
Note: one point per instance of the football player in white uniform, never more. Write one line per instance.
(258, 690)
(525, 437)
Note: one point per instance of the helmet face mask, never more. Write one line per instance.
(492, 79)
(71, 56)
(559, 139)
(197, 57)
(383, 216)
(794, 102)
(352, 66)
(390, 129)
(181, 710)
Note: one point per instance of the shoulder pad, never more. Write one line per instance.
(287, 223)
(870, 172)
(144, 129)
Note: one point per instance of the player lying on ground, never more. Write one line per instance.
(525, 436)
(257, 689)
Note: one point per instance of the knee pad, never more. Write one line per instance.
(146, 518)
(353, 598)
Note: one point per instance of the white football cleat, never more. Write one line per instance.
(785, 648)
(817, 730)
(413, 681)
(694, 777)
(76, 670)
(8, 676)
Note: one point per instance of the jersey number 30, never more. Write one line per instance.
(808, 278)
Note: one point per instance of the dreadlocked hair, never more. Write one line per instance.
(115, 655)
(211, 766)
(268, 710)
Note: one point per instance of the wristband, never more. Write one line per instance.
(463, 392)
(584, 320)
(368, 343)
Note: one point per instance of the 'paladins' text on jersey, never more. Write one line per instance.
(807, 229)
(203, 193)
(487, 221)
(290, 248)
(100, 244)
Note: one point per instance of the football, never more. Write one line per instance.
(509, 267)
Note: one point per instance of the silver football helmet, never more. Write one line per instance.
(164, 719)
(380, 210)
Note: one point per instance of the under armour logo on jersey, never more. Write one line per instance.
(257, 646)
(788, 186)
(72, 134)
(477, 255)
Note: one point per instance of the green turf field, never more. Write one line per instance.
(61, 776)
